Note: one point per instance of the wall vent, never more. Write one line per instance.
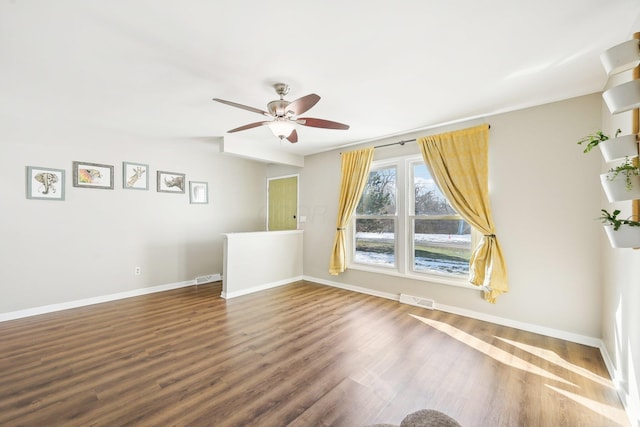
(207, 279)
(417, 301)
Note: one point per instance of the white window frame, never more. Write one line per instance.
(404, 230)
(398, 238)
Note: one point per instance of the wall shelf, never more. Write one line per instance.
(625, 97)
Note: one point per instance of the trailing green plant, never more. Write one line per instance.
(594, 139)
(612, 219)
(628, 169)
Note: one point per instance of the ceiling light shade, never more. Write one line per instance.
(621, 57)
(281, 128)
(623, 97)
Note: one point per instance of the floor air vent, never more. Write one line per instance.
(207, 279)
(417, 301)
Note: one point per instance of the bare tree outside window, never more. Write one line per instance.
(438, 239)
(375, 219)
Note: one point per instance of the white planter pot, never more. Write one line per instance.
(619, 148)
(625, 237)
(623, 97)
(616, 190)
(621, 57)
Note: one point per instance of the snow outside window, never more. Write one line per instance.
(375, 238)
(404, 224)
(441, 238)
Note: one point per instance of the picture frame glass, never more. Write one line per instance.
(170, 182)
(45, 183)
(92, 175)
(135, 176)
(198, 192)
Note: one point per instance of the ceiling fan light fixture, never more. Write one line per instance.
(281, 128)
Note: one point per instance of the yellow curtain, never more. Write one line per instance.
(458, 162)
(355, 172)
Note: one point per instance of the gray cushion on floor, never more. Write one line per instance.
(429, 418)
(424, 418)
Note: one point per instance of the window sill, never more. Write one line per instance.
(431, 278)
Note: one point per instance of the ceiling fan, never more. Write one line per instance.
(285, 114)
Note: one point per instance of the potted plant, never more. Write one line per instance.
(622, 182)
(622, 233)
(614, 148)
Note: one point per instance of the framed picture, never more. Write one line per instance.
(45, 183)
(135, 176)
(198, 192)
(170, 182)
(92, 175)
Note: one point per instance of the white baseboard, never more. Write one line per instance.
(354, 288)
(631, 407)
(90, 301)
(262, 287)
(581, 339)
(529, 327)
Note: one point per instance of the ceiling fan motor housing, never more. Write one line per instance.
(278, 108)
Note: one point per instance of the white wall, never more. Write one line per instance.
(545, 196)
(262, 260)
(88, 245)
(621, 290)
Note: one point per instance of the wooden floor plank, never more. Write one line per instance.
(298, 355)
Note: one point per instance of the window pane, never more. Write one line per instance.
(428, 200)
(442, 246)
(375, 242)
(379, 196)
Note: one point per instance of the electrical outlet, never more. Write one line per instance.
(138, 271)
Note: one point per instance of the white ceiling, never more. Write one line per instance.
(149, 69)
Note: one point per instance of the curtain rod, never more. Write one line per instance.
(400, 142)
(395, 143)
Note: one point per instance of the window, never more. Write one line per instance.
(441, 238)
(375, 239)
(405, 225)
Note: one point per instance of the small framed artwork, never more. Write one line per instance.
(170, 182)
(92, 175)
(198, 192)
(45, 183)
(135, 176)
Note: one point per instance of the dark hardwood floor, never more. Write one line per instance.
(301, 355)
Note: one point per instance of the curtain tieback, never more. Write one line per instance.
(489, 235)
(340, 229)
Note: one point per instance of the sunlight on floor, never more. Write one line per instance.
(552, 357)
(491, 350)
(614, 414)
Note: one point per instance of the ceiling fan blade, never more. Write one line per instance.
(320, 123)
(293, 136)
(303, 104)
(249, 126)
(244, 107)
